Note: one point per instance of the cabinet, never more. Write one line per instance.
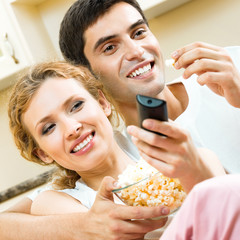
(11, 60)
(32, 26)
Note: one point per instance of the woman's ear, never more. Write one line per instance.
(43, 156)
(106, 106)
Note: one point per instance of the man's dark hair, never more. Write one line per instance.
(81, 15)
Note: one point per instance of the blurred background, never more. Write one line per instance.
(29, 34)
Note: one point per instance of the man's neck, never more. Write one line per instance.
(129, 113)
(175, 95)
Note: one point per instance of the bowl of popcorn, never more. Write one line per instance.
(143, 185)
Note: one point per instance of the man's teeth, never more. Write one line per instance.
(82, 144)
(141, 71)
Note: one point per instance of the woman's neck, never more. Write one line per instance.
(113, 165)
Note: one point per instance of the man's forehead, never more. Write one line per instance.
(120, 17)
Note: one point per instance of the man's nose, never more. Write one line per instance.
(134, 50)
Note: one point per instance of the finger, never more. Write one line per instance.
(163, 167)
(203, 65)
(105, 189)
(129, 212)
(179, 52)
(162, 148)
(165, 154)
(212, 78)
(144, 226)
(135, 229)
(170, 129)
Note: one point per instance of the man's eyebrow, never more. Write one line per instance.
(105, 39)
(102, 40)
(139, 22)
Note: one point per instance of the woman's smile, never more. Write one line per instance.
(84, 145)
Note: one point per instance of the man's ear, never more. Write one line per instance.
(106, 106)
(43, 156)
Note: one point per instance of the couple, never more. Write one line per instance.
(120, 53)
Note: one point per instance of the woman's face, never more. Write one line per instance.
(69, 125)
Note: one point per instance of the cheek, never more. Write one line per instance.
(51, 144)
(106, 67)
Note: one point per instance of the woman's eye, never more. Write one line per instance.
(48, 128)
(76, 106)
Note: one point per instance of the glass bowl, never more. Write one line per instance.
(156, 190)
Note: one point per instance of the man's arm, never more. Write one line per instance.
(175, 155)
(214, 67)
(20, 226)
(17, 223)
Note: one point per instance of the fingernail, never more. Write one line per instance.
(175, 55)
(129, 129)
(165, 211)
(134, 139)
(115, 184)
(147, 123)
(176, 65)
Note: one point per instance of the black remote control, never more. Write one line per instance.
(149, 107)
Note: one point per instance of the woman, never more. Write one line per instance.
(59, 114)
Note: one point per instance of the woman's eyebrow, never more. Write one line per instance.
(46, 118)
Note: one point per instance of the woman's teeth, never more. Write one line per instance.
(141, 71)
(82, 144)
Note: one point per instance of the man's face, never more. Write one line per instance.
(124, 53)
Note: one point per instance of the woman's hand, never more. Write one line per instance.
(107, 220)
(174, 154)
(214, 68)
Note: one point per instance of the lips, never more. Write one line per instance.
(82, 142)
(141, 70)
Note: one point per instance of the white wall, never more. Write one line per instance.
(213, 21)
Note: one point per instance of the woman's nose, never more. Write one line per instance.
(73, 129)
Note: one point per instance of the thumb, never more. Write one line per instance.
(105, 189)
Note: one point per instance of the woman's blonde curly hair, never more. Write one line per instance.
(20, 99)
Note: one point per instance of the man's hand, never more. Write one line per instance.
(107, 220)
(174, 154)
(214, 68)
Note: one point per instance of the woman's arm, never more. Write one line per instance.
(105, 220)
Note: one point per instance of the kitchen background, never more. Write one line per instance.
(31, 27)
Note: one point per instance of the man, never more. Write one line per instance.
(113, 40)
(118, 74)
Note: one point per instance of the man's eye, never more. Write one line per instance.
(76, 106)
(47, 128)
(109, 48)
(139, 33)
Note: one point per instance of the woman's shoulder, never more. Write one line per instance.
(52, 202)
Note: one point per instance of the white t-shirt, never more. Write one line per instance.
(212, 121)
